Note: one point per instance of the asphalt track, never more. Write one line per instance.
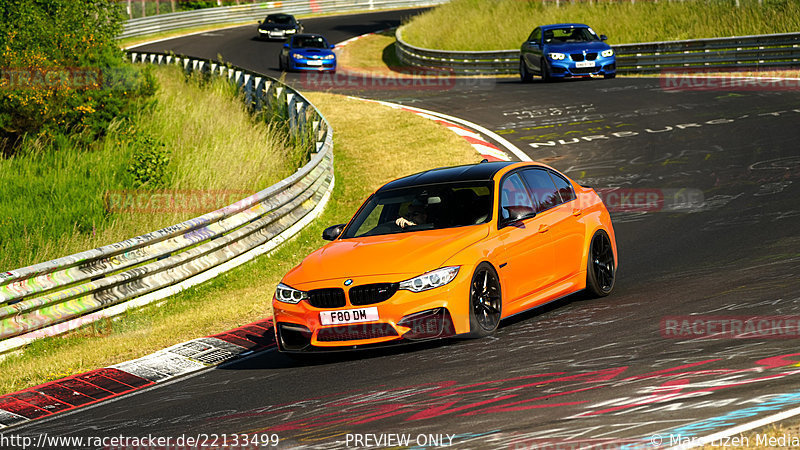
(723, 242)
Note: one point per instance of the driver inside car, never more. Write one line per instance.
(417, 214)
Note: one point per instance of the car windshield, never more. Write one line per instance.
(564, 35)
(418, 208)
(280, 20)
(309, 42)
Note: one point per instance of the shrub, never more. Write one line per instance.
(150, 159)
(62, 71)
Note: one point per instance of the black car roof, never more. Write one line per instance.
(473, 172)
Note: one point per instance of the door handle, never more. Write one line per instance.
(543, 228)
(577, 212)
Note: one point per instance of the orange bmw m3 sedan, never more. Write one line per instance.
(449, 251)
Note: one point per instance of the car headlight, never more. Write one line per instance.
(297, 56)
(290, 31)
(607, 53)
(286, 294)
(430, 280)
(329, 57)
(262, 31)
(556, 56)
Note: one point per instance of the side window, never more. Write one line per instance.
(542, 189)
(564, 187)
(536, 36)
(514, 197)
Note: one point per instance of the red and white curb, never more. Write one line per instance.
(99, 385)
(471, 132)
(361, 36)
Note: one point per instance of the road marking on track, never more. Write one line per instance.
(716, 437)
(465, 129)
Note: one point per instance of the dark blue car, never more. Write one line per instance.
(566, 50)
(307, 52)
(279, 26)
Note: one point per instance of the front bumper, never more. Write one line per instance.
(566, 68)
(405, 317)
(275, 34)
(312, 64)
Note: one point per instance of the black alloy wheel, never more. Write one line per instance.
(485, 301)
(601, 269)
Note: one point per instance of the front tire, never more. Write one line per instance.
(545, 69)
(609, 76)
(485, 301)
(524, 75)
(601, 269)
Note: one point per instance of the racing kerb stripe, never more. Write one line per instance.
(98, 385)
(486, 149)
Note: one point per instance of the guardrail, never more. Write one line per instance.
(742, 52)
(56, 296)
(252, 12)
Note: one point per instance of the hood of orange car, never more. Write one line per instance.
(403, 253)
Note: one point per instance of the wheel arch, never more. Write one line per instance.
(595, 222)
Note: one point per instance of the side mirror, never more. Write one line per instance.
(603, 37)
(331, 233)
(259, 22)
(286, 45)
(332, 47)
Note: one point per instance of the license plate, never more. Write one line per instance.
(582, 64)
(276, 33)
(348, 316)
(315, 63)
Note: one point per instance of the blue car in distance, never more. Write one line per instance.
(307, 52)
(566, 50)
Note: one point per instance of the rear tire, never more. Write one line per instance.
(524, 75)
(601, 270)
(485, 301)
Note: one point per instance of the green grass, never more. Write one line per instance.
(372, 145)
(371, 53)
(505, 24)
(52, 193)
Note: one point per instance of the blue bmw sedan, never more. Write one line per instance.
(307, 52)
(566, 50)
